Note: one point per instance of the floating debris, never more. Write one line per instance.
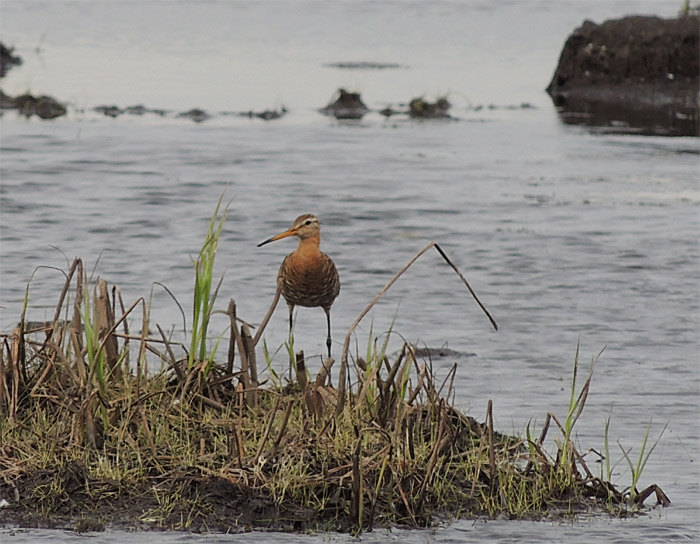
(6, 101)
(265, 115)
(346, 106)
(140, 109)
(8, 59)
(44, 107)
(441, 353)
(421, 108)
(109, 111)
(365, 65)
(197, 115)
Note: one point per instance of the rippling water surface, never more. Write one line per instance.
(566, 235)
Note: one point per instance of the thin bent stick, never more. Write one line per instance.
(262, 326)
(346, 345)
(111, 330)
(464, 280)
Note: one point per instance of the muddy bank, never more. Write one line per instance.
(44, 106)
(345, 105)
(635, 74)
(8, 59)
(203, 503)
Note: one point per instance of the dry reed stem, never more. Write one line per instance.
(402, 493)
(661, 497)
(5, 396)
(357, 487)
(283, 428)
(104, 323)
(249, 348)
(346, 345)
(325, 371)
(111, 330)
(77, 323)
(366, 385)
(48, 366)
(266, 319)
(419, 385)
(76, 265)
(210, 402)
(239, 426)
(142, 346)
(438, 445)
(231, 312)
(240, 341)
(268, 428)
(451, 376)
(390, 379)
(492, 452)
(147, 432)
(300, 370)
(172, 362)
(117, 294)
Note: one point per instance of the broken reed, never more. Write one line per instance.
(396, 453)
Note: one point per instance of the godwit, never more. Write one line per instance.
(307, 276)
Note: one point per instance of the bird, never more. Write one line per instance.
(307, 277)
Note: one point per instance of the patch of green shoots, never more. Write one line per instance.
(637, 468)
(576, 404)
(204, 293)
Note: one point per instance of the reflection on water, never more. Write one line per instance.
(564, 235)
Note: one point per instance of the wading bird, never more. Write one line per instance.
(307, 276)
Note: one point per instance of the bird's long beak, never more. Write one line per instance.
(290, 232)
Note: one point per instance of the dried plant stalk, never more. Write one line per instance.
(342, 379)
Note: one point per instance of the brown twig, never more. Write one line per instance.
(267, 317)
(492, 453)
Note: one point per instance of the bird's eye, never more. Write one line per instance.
(308, 222)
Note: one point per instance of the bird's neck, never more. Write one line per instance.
(308, 246)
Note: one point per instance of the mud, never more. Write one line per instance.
(201, 504)
(44, 107)
(345, 105)
(8, 59)
(635, 74)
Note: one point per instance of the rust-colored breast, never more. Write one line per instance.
(309, 279)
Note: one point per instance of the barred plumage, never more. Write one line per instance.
(307, 276)
(309, 283)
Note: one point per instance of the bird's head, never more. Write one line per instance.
(304, 226)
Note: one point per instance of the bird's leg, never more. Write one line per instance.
(291, 337)
(328, 338)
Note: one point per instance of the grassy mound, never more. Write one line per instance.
(91, 436)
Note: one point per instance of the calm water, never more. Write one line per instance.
(566, 235)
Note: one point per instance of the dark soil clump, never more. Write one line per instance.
(8, 59)
(346, 105)
(44, 107)
(638, 72)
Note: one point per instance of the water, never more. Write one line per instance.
(565, 235)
